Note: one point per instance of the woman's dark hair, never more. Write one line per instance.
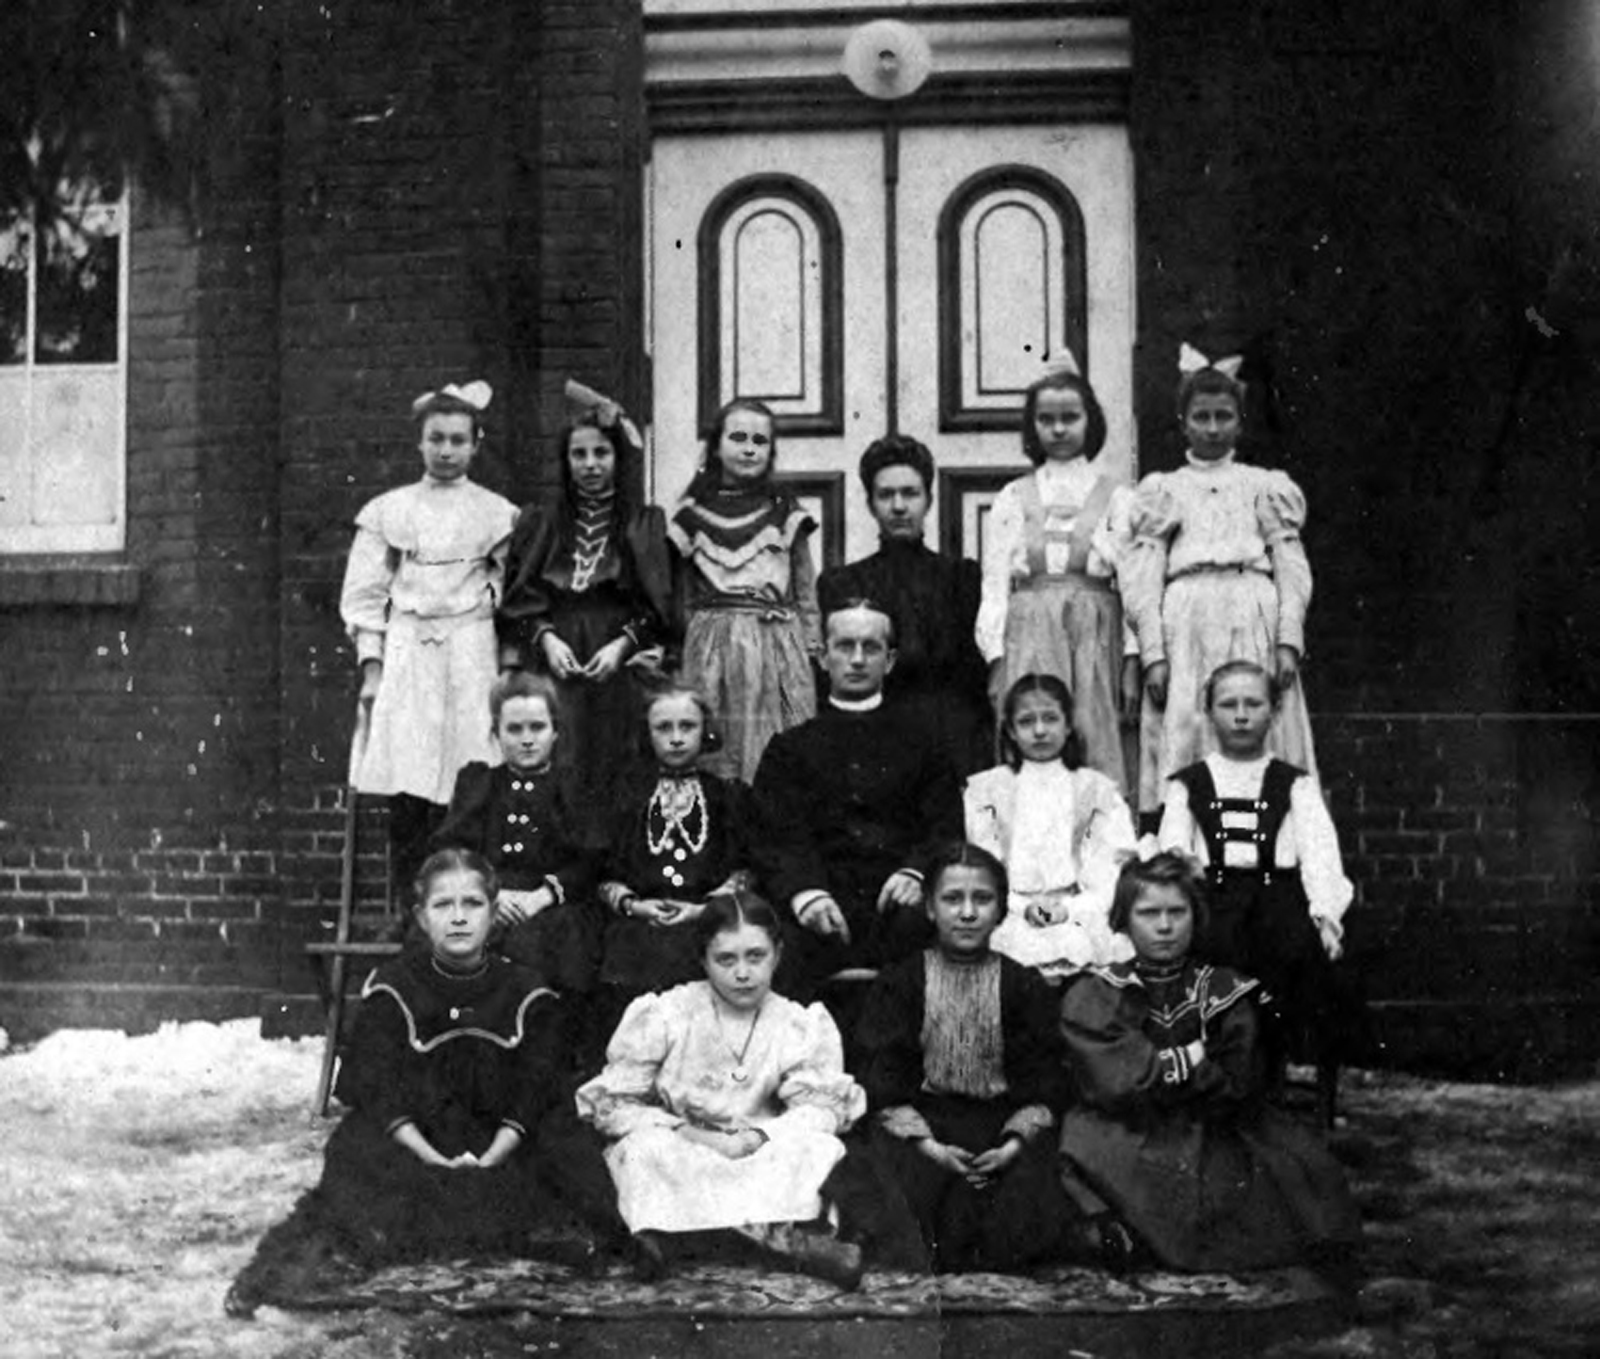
(621, 502)
(964, 854)
(708, 478)
(728, 911)
(1094, 438)
(1053, 688)
(896, 450)
(1167, 869)
(1241, 667)
(1208, 382)
(442, 403)
(524, 684)
(447, 861)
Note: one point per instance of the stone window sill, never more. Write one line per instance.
(76, 581)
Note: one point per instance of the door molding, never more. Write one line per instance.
(713, 107)
(829, 419)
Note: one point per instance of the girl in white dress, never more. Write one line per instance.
(1050, 552)
(1216, 573)
(1061, 832)
(724, 1102)
(420, 589)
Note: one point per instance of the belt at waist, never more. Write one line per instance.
(768, 609)
(1213, 569)
(1076, 579)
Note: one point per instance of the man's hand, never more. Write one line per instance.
(823, 916)
(900, 889)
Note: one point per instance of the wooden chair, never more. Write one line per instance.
(331, 957)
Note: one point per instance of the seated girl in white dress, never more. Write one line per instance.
(1060, 830)
(723, 1104)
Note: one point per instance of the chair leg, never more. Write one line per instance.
(330, 1044)
(1328, 1092)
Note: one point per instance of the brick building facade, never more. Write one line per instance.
(1390, 211)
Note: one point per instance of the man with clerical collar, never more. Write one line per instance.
(934, 600)
(852, 801)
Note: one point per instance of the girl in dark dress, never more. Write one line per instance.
(588, 596)
(677, 836)
(525, 818)
(1172, 1134)
(460, 1136)
(963, 1068)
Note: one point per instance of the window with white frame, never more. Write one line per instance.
(63, 379)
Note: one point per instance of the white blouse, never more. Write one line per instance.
(1064, 489)
(1307, 839)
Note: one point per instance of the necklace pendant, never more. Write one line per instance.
(740, 1075)
(680, 854)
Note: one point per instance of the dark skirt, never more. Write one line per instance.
(1022, 1218)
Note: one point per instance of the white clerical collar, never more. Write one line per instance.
(858, 705)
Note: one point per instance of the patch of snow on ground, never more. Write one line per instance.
(135, 1178)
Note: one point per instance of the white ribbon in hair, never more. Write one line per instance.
(1191, 360)
(477, 394)
(609, 412)
(1064, 362)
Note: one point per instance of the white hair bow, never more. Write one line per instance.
(1191, 360)
(477, 394)
(610, 413)
(1063, 362)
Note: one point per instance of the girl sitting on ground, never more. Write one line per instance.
(1059, 829)
(458, 1138)
(963, 1067)
(723, 1104)
(1171, 1146)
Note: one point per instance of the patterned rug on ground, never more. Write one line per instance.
(718, 1290)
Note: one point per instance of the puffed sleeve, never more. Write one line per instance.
(1106, 837)
(1002, 535)
(1178, 829)
(623, 1098)
(803, 590)
(1117, 1067)
(1316, 846)
(1281, 513)
(889, 1035)
(465, 824)
(1036, 1072)
(373, 1077)
(368, 575)
(532, 1093)
(981, 807)
(817, 1093)
(1153, 519)
(1109, 546)
(1233, 1070)
(527, 602)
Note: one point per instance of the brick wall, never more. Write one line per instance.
(461, 192)
(138, 789)
(1365, 200)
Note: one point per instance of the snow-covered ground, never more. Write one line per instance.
(136, 1175)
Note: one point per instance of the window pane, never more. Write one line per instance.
(14, 293)
(75, 459)
(78, 281)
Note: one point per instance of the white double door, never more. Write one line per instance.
(770, 275)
